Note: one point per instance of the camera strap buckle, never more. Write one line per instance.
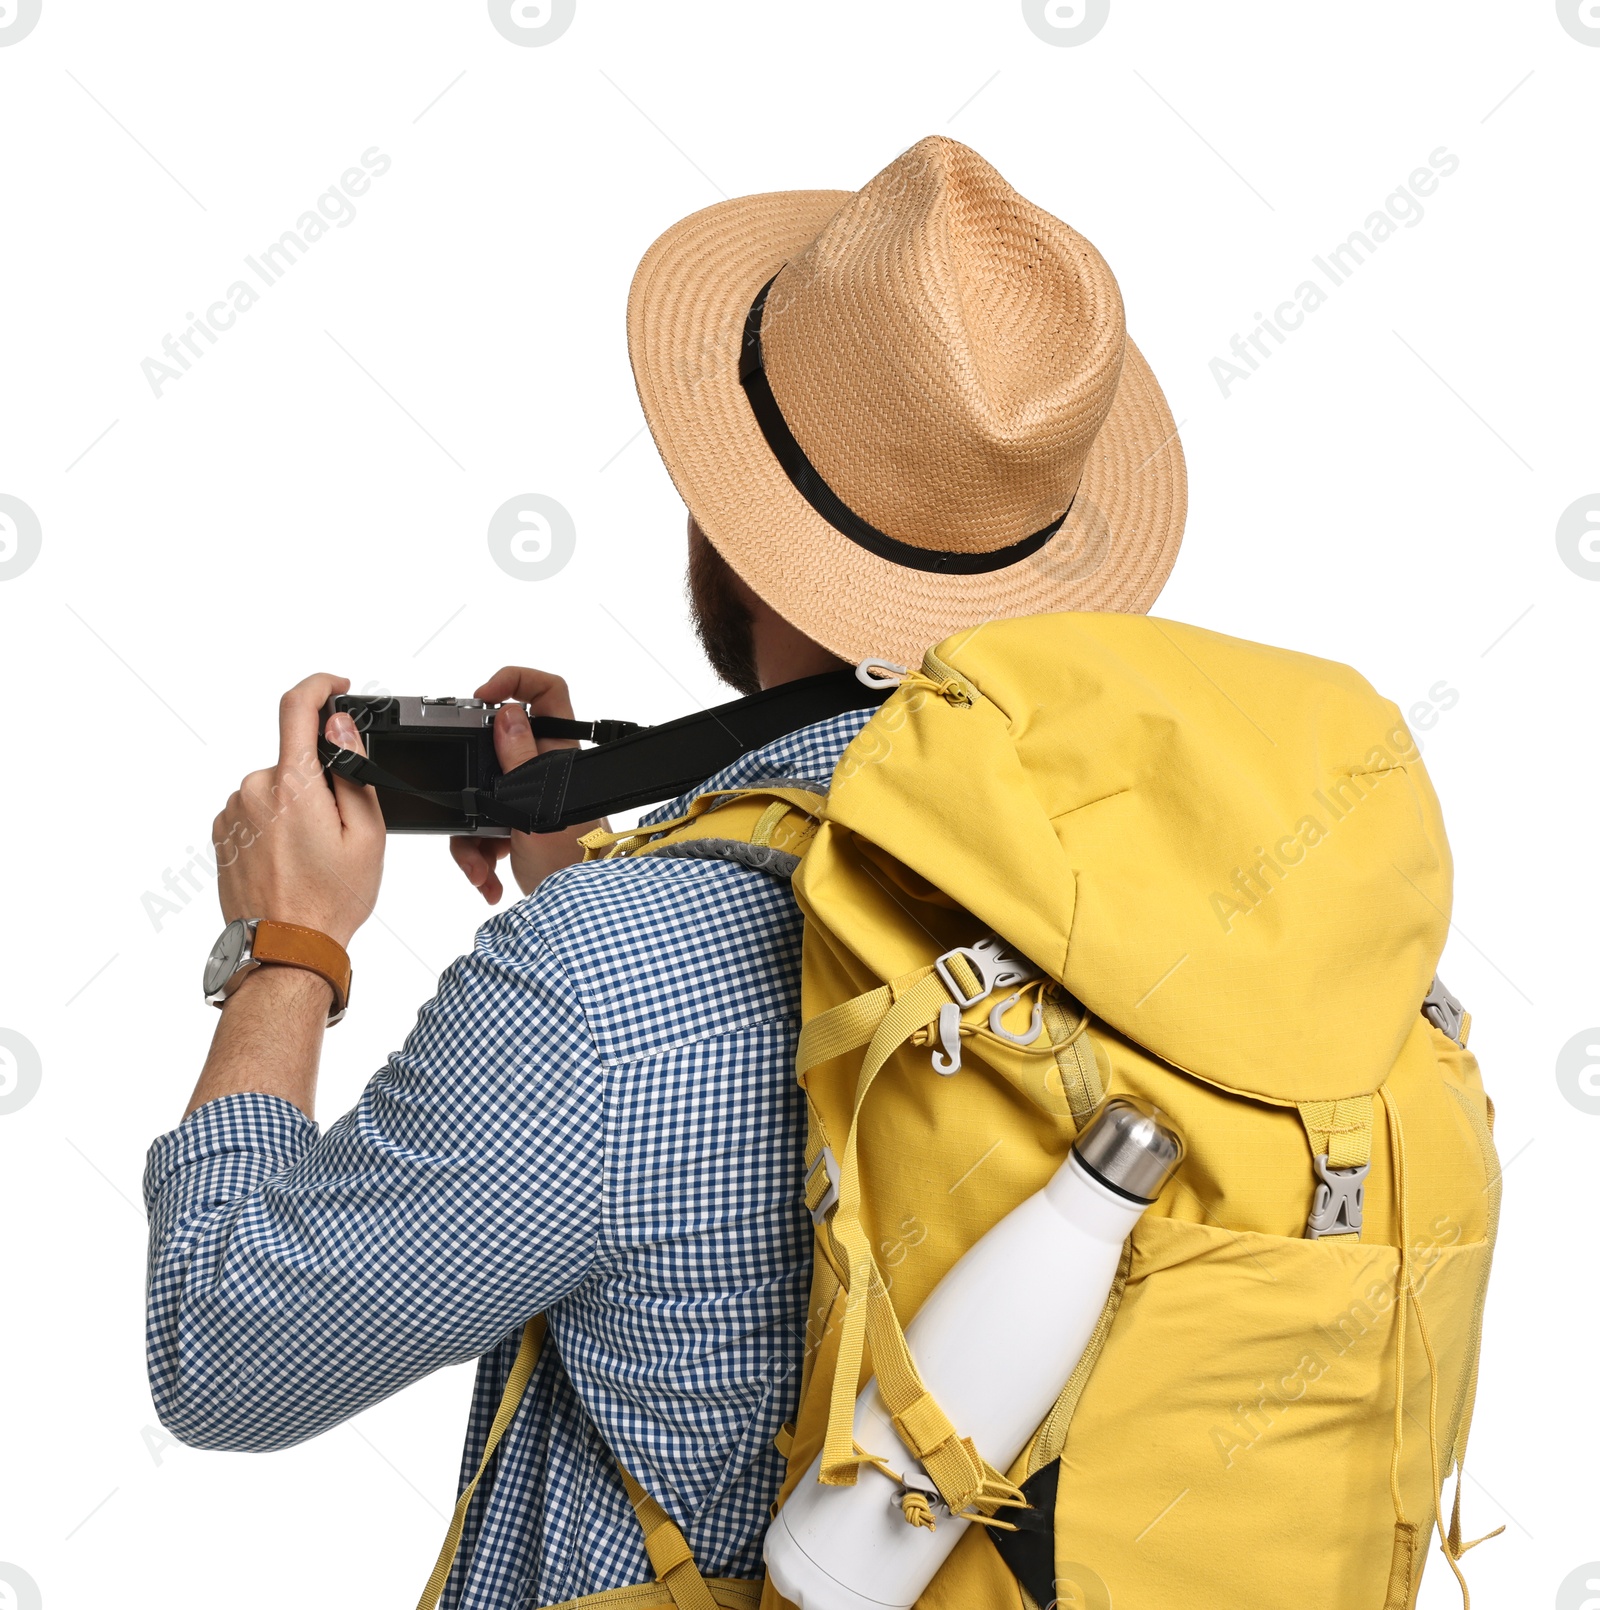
(599, 731)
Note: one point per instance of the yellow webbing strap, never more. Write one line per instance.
(1407, 1542)
(620, 842)
(768, 820)
(670, 1558)
(1080, 1077)
(1449, 1540)
(1402, 1567)
(1457, 1547)
(964, 1478)
(817, 1183)
(846, 1027)
(952, 1463)
(882, 1020)
(1341, 1130)
(917, 1008)
(663, 1542)
(628, 841)
(510, 1400)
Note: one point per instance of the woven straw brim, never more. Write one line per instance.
(686, 315)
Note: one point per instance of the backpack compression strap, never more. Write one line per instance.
(565, 786)
(883, 1020)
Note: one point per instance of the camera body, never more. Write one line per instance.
(432, 763)
(442, 746)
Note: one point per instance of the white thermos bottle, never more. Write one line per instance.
(995, 1342)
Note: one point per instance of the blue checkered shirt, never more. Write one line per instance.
(595, 1118)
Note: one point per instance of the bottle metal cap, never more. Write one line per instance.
(1131, 1146)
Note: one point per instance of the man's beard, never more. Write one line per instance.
(722, 620)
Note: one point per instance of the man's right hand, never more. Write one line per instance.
(534, 856)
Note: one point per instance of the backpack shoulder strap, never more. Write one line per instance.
(667, 1548)
(510, 1400)
(670, 1557)
(767, 826)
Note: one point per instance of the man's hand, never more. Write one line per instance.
(534, 856)
(289, 847)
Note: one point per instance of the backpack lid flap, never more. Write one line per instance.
(1230, 853)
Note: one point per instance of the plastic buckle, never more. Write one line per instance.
(1443, 1010)
(995, 966)
(1337, 1201)
(608, 731)
(830, 1165)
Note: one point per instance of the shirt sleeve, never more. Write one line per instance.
(296, 1277)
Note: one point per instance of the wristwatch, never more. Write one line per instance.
(251, 942)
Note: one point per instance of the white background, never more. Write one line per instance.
(314, 495)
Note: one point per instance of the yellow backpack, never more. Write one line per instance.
(1227, 867)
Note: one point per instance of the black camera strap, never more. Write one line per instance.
(630, 765)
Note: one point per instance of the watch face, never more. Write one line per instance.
(226, 955)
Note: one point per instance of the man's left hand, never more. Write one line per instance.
(290, 848)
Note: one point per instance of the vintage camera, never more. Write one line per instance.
(433, 767)
(443, 747)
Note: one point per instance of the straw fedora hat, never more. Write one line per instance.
(907, 410)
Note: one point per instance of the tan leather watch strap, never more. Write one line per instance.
(287, 944)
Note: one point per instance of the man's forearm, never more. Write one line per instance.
(269, 1039)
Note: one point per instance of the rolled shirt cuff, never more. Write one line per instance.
(222, 1150)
